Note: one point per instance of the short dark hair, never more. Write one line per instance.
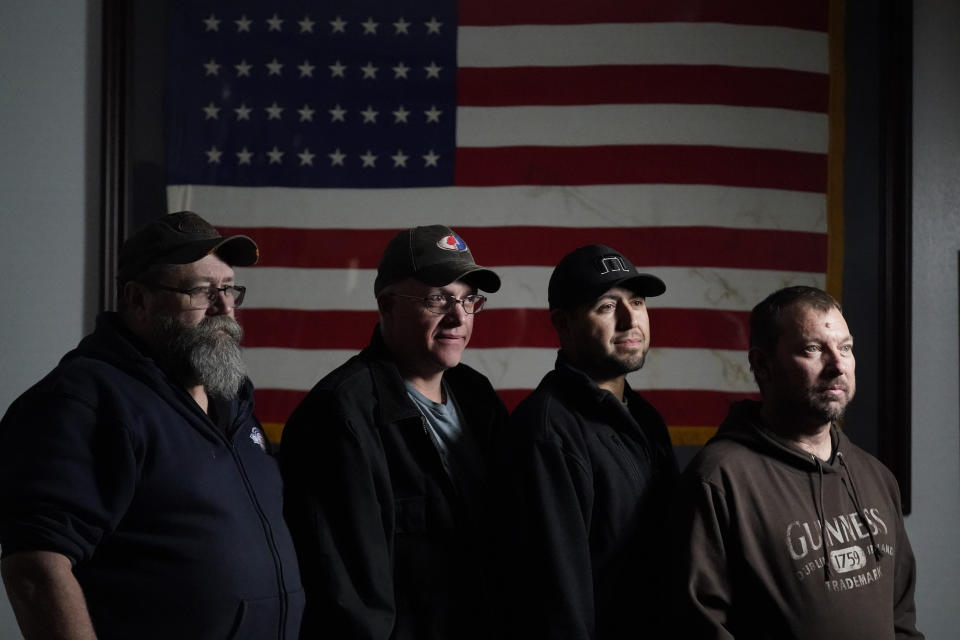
(765, 318)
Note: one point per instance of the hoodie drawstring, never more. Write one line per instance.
(823, 524)
(855, 496)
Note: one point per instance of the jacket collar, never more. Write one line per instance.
(387, 381)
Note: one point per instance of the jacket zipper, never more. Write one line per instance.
(626, 454)
(268, 534)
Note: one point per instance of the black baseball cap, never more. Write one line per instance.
(181, 238)
(586, 273)
(434, 255)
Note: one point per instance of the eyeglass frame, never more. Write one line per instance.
(450, 302)
(212, 297)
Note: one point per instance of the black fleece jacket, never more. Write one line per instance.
(583, 484)
(772, 543)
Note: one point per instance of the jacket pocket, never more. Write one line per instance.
(259, 619)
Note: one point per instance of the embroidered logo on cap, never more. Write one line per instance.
(609, 264)
(258, 438)
(452, 243)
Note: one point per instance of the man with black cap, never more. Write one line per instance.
(385, 460)
(586, 466)
(139, 499)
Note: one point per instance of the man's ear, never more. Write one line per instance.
(134, 295)
(560, 321)
(135, 301)
(759, 363)
(385, 304)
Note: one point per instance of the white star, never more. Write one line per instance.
(433, 26)
(306, 25)
(401, 26)
(369, 160)
(243, 69)
(336, 158)
(213, 155)
(433, 71)
(213, 24)
(400, 115)
(243, 24)
(275, 23)
(433, 114)
(306, 158)
(369, 115)
(274, 67)
(370, 27)
(399, 159)
(306, 114)
(211, 111)
(400, 71)
(369, 71)
(212, 67)
(338, 25)
(275, 155)
(243, 112)
(430, 160)
(244, 156)
(306, 69)
(273, 111)
(337, 114)
(337, 69)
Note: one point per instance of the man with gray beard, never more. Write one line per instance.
(586, 465)
(140, 499)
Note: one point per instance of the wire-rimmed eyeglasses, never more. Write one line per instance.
(206, 297)
(442, 304)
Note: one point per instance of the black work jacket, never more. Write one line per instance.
(389, 547)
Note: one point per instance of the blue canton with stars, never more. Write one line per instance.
(305, 94)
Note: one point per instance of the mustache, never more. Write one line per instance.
(209, 326)
(833, 385)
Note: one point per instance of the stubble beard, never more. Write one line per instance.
(206, 354)
(609, 366)
(825, 409)
(812, 407)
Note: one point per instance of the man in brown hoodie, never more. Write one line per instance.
(784, 528)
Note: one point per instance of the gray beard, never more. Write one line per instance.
(199, 355)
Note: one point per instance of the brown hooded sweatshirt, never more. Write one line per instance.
(751, 519)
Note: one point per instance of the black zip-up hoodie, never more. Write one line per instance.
(173, 523)
(775, 543)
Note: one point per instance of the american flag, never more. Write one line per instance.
(698, 138)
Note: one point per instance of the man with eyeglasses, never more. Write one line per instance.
(139, 498)
(586, 468)
(385, 460)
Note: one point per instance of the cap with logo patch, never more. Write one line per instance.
(586, 273)
(434, 255)
(181, 238)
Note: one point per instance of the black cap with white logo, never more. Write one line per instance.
(584, 274)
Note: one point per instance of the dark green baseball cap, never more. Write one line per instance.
(434, 255)
(181, 238)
